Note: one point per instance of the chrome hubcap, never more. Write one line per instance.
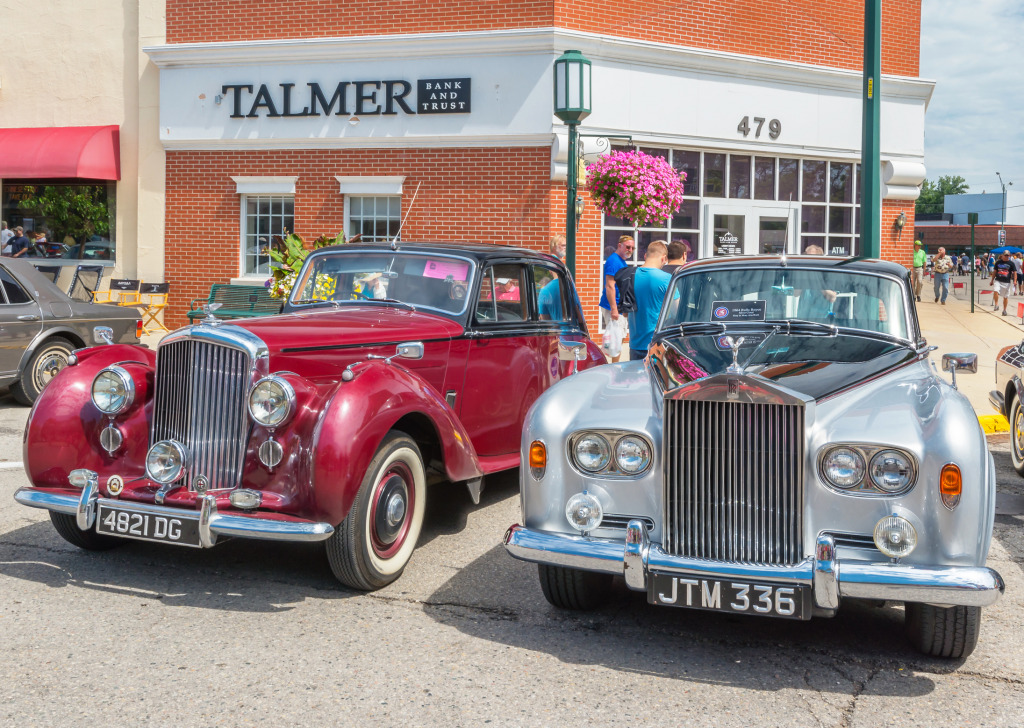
(49, 367)
(389, 515)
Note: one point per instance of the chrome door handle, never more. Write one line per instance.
(28, 317)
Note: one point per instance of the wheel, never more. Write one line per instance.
(943, 631)
(46, 361)
(1017, 435)
(572, 588)
(68, 528)
(373, 544)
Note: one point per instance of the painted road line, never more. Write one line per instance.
(12, 466)
(993, 423)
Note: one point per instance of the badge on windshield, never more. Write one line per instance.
(738, 311)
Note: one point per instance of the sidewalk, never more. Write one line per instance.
(953, 328)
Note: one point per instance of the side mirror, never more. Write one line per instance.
(574, 351)
(102, 335)
(965, 362)
(410, 350)
(960, 362)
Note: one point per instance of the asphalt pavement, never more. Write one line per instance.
(252, 633)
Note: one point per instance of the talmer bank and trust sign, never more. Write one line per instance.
(348, 98)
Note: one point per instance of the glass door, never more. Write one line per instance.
(742, 227)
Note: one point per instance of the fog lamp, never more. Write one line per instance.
(166, 461)
(895, 537)
(113, 390)
(81, 477)
(538, 459)
(584, 512)
(245, 498)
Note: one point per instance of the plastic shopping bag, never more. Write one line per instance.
(612, 341)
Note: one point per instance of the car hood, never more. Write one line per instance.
(349, 327)
(816, 366)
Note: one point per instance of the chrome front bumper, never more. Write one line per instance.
(636, 558)
(211, 523)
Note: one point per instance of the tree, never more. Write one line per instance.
(932, 197)
(75, 210)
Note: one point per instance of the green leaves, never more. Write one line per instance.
(932, 197)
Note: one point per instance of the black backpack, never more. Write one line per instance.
(624, 282)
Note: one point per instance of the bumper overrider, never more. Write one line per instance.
(206, 521)
(637, 559)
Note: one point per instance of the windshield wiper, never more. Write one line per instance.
(318, 302)
(802, 326)
(702, 327)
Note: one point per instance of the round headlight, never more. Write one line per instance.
(891, 471)
(592, 453)
(113, 390)
(166, 461)
(584, 512)
(632, 454)
(895, 537)
(844, 467)
(271, 401)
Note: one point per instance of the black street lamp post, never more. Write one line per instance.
(1002, 217)
(572, 105)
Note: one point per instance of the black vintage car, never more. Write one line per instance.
(40, 326)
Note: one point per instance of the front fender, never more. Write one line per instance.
(360, 413)
(63, 426)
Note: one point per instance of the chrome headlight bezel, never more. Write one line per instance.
(908, 473)
(124, 379)
(866, 484)
(285, 408)
(604, 454)
(177, 450)
(612, 464)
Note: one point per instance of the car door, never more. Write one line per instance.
(555, 311)
(507, 366)
(20, 323)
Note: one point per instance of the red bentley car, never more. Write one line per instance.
(392, 367)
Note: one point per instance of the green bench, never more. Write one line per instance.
(236, 302)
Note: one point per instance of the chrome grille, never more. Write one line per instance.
(200, 402)
(734, 481)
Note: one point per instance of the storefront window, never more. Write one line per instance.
(65, 219)
(739, 177)
(714, 175)
(266, 217)
(377, 219)
(764, 178)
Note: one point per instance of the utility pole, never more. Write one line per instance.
(870, 160)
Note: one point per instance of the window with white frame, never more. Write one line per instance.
(373, 207)
(267, 215)
(376, 218)
(268, 218)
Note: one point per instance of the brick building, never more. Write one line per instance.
(318, 118)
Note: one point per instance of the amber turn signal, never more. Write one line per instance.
(950, 485)
(538, 459)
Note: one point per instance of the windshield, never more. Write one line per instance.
(421, 280)
(839, 296)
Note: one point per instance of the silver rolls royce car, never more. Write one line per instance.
(785, 445)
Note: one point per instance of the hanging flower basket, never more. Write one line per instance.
(635, 186)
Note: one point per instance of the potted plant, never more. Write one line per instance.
(287, 256)
(635, 186)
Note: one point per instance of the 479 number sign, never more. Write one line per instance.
(745, 127)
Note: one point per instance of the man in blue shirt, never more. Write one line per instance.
(610, 297)
(650, 284)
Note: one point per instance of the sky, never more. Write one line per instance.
(974, 127)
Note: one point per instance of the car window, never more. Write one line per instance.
(548, 284)
(501, 295)
(841, 297)
(12, 289)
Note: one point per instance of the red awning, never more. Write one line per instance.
(89, 152)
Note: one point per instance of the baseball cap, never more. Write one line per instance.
(918, 242)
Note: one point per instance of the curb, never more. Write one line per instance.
(993, 423)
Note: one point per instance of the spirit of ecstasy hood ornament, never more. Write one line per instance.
(734, 344)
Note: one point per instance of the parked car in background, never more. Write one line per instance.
(1007, 399)
(784, 446)
(40, 327)
(392, 368)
